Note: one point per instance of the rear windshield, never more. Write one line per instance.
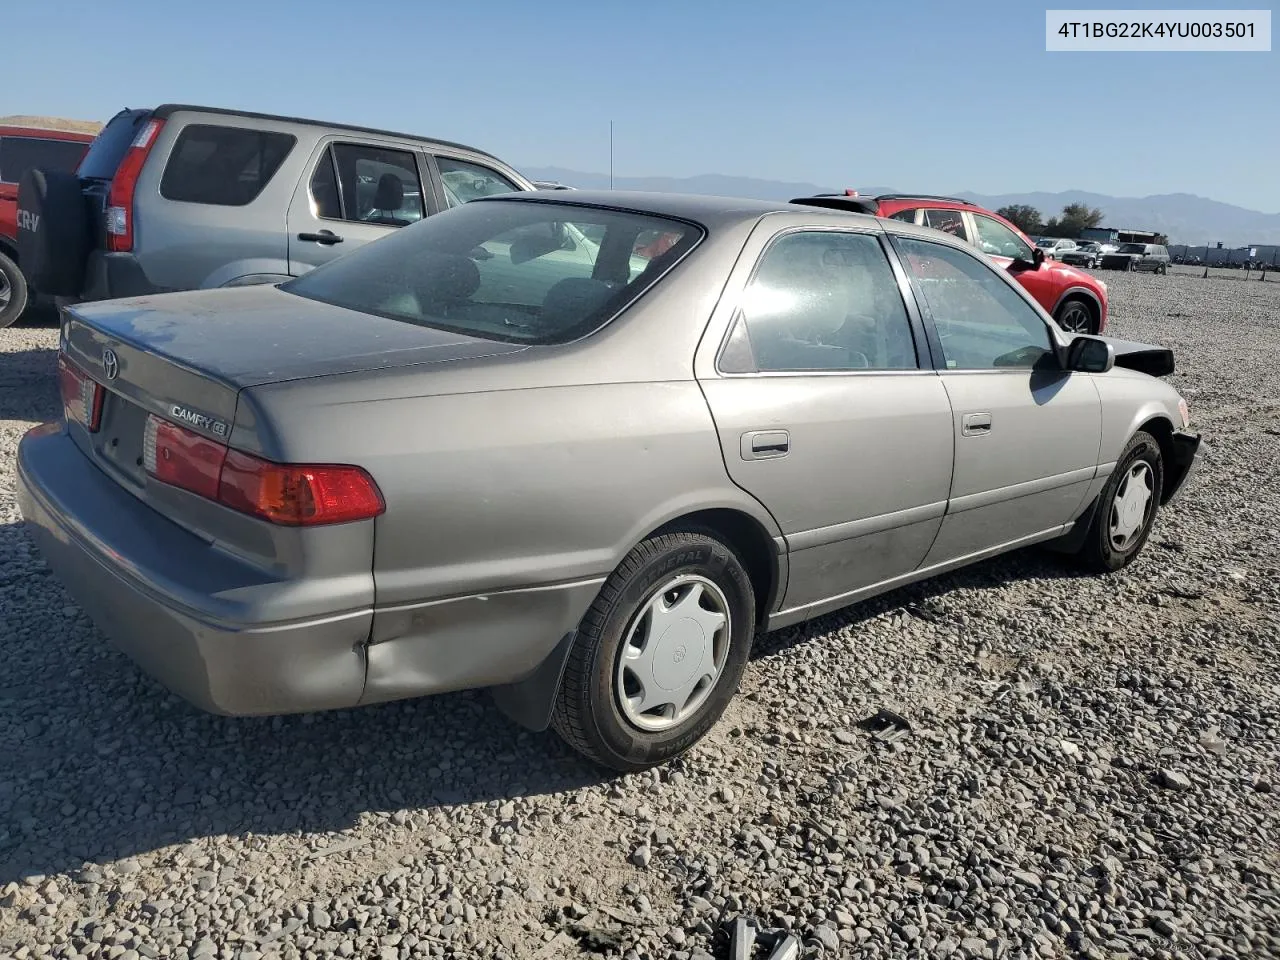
(111, 144)
(20, 154)
(224, 166)
(513, 270)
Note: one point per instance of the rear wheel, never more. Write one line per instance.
(13, 292)
(659, 654)
(1127, 507)
(1074, 316)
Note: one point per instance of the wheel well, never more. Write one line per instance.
(749, 540)
(1162, 429)
(8, 250)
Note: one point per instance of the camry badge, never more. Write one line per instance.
(196, 419)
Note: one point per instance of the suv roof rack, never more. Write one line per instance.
(924, 196)
(167, 109)
(839, 201)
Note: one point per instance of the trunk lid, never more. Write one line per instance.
(186, 356)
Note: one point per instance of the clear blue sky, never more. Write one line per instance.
(954, 95)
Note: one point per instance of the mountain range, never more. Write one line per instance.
(1182, 217)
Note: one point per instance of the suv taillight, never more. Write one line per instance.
(81, 394)
(290, 494)
(119, 215)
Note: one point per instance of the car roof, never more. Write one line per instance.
(168, 109)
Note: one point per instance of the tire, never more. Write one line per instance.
(53, 231)
(13, 292)
(593, 712)
(1074, 316)
(1133, 266)
(1101, 551)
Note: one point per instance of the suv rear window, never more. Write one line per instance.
(512, 270)
(20, 154)
(225, 166)
(111, 144)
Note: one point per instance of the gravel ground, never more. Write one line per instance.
(1091, 768)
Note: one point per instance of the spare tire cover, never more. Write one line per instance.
(53, 231)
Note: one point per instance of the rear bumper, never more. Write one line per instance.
(123, 563)
(182, 610)
(1185, 459)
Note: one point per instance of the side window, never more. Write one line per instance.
(981, 320)
(378, 185)
(997, 239)
(467, 181)
(906, 216)
(223, 166)
(948, 221)
(823, 300)
(20, 154)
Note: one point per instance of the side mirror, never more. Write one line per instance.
(1090, 355)
(1037, 257)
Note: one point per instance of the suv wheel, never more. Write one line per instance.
(1074, 316)
(13, 291)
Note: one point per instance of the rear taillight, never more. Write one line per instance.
(290, 494)
(81, 395)
(119, 215)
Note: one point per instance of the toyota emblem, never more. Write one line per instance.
(110, 363)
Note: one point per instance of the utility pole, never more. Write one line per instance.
(610, 154)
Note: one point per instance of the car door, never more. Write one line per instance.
(1026, 433)
(353, 192)
(826, 413)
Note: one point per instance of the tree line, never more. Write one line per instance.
(1073, 221)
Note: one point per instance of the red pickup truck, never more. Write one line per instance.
(21, 148)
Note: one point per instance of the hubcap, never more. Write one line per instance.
(1131, 507)
(674, 652)
(1075, 318)
(5, 290)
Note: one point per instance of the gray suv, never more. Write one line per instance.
(183, 198)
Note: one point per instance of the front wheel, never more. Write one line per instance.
(660, 653)
(13, 292)
(1074, 316)
(1126, 508)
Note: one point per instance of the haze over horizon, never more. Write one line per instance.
(937, 93)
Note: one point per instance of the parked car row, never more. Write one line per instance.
(1136, 257)
(441, 429)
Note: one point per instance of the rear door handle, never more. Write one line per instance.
(975, 424)
(765, 444)
(326, 237)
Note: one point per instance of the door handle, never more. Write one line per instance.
(765, 444)
(326, 237)
(975, 424)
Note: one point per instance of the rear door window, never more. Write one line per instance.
(948, 221)
(20, 154)
(376, 185)
(223, 166)
(467, 181)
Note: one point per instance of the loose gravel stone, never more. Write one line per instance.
(1028, 814)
